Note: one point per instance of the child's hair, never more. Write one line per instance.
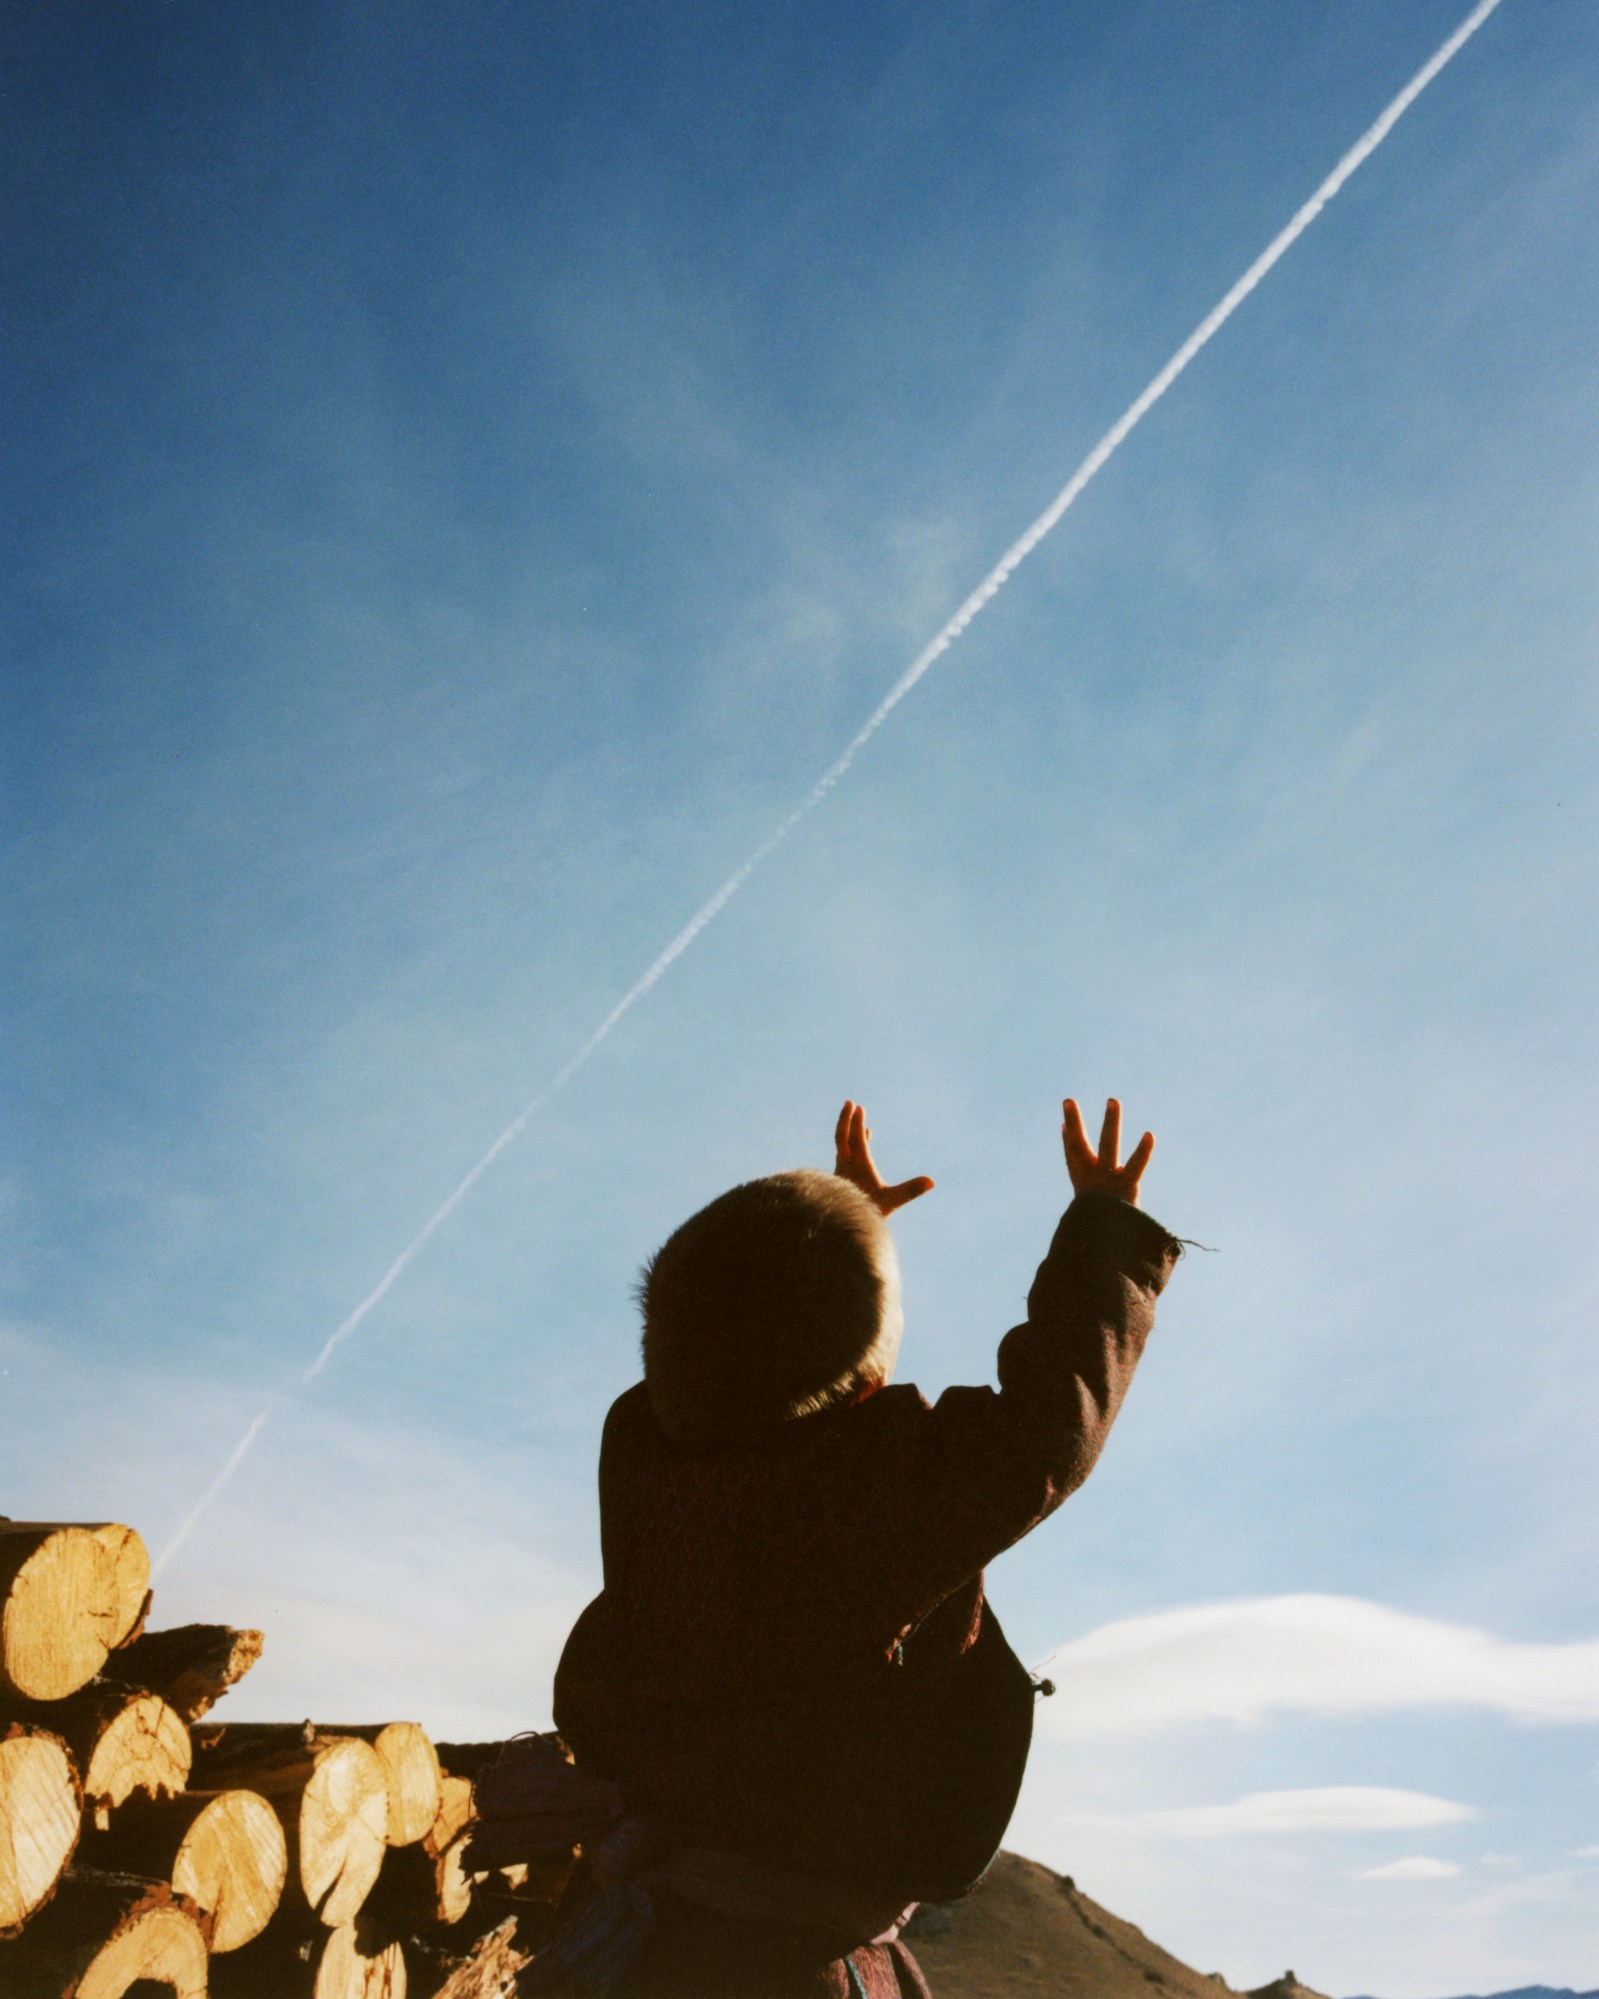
(778, 1300)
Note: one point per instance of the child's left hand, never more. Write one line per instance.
(854, 1163)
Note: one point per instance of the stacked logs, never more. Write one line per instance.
(141, 1841)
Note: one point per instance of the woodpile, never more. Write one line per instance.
(147, 1848)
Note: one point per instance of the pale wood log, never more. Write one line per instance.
(411, 1764)
(225, 1850)
(452, 1885)
(106, 1935)
(426, 1890)
(190, 1666)
(130, 1560)
(331, 1796)
(350, 1969)
(40, 1813)
(122, 1739)
(445, 1847)
(454, 1814)
(61, 1604)
(543, 1884)
(418, 1892)
(343, 1963)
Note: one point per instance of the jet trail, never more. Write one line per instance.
(202, 1504)
(991, 585)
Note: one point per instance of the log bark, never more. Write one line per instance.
(225, 1850)
(411, 1764)
(330, 1794)
(61, 1604)
(122, 1739)
(190, 1666)
(104, 1935)
(466, 1759)
(40, 1812)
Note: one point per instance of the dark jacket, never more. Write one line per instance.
(792, 1655)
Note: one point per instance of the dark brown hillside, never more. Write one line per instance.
(1027, 1933)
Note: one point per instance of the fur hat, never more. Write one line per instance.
(778, 1300)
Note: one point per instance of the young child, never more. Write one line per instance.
(791, 1710)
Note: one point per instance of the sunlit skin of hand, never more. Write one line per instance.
(854, 1163)
(1091, 1172)
(1098, 1173)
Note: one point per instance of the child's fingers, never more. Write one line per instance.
(908, 1190)
(1140, 1157)
(1110, 1133)
(1077, 1152)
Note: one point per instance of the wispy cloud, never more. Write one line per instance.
(1242, 1662)
(396, 1573)
(1333, 1808)
(1418, 1867)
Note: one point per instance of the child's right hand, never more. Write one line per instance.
(1098, 1173)
(853, 1162)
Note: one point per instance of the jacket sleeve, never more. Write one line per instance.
(982, 1468)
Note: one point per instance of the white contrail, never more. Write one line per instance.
(992, 583)
(239, 1453)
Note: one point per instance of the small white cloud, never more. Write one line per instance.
(1419, 1867)
(1586, 1853)
(1335, 1808)
(1244, 1661)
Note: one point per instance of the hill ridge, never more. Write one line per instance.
(1524, 1992)
(1026, 1932)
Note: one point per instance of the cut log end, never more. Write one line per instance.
(453, 1885)
(233, 1862)
(343, 1828)
(130, 1563)
(162, 1944)
(411, 1766)
(60, 1606)
(330, 1791)
(39, 1808)
(345, 1971)
(107, 1935)
(454, 1812)
(145, 1748)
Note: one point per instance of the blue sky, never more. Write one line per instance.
(470, 474)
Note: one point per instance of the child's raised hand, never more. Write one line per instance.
(854, 1163)
(1099, 1173)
